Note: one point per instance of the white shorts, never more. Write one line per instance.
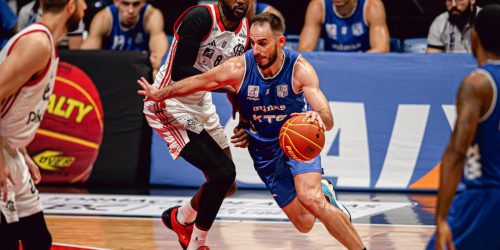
(22, 198)
(171, 119)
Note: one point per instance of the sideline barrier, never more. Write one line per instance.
(393, 116)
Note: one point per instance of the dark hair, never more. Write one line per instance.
(487, 22)
(266, 17)
(53, 5)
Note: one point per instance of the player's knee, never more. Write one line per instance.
(232, 189)
(312, 201)
(224, 177)
(304, 226)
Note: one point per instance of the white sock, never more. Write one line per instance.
(186, 214)
(198, 238)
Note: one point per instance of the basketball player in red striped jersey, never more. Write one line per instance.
(270, 76)
(27, 75)
(205, 36)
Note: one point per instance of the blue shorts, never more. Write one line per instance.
(474, 219)
(276, 170)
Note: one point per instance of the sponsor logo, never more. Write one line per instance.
(34, 116)
(11, 206)
(253, 92)
(65, 107)
(208, 53)
(269, 118)
(51, 160)
(269, 108)
(343, 30)
(212, 43)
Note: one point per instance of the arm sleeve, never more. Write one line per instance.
(434, 37)
(194, 27)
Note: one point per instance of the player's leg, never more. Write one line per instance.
(25, 210)
(35, 234)
(8, 234)
(193, 206)
(310, 195)
(300, 217)
(204, 153)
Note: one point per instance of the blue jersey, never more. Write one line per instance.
(348, 34)
(268, 102)
(482, 168)
(127, 39)
(260, 7)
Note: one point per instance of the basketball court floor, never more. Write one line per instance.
(127, 218)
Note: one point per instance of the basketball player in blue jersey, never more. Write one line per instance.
(272, 85)
(346, 26)
(28, 67)
(129, 25)
(473, 152)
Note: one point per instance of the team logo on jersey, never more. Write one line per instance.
(282, 90)
(331, 30)
(208, 52)
(253, 92)
(357, 29)
(139, 38)
(238, 49)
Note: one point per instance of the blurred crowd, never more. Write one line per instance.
(328, 25)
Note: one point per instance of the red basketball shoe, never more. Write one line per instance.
(169, 218)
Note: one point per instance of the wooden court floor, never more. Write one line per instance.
(137, 233)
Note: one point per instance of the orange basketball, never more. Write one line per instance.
(301, 139)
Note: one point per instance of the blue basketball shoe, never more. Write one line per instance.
(331, 197)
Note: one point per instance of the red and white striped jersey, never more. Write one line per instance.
(217, 46)
(22, 112)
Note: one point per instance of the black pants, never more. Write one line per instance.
(205, 154)
(31, 231)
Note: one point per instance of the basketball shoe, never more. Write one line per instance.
(331, 197)
(169, 218)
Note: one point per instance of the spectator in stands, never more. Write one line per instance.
(7, 23)
(129, 25)
(32, 12)
(451, 31)
(256, 7)
(347, 25)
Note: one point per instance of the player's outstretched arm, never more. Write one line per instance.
(306, 79)
(229, 73)
(473, 100)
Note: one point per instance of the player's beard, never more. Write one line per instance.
(460, 20)
(73, 21)
(229, 11)
(272, 58)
